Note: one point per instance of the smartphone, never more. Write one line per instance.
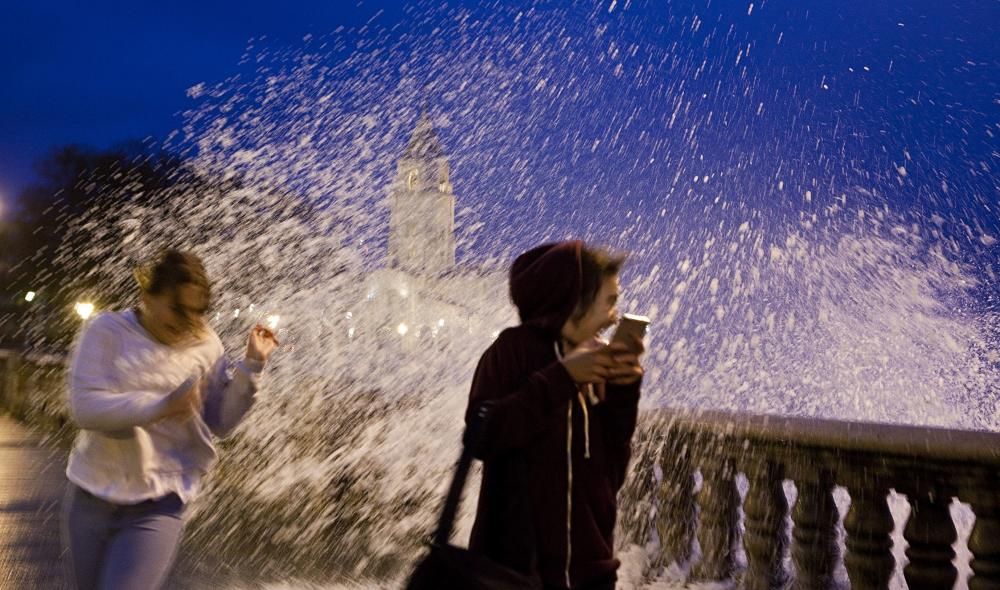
(628, 326)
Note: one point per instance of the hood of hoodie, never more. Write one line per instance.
(545, 284)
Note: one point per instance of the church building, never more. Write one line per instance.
(421, 295)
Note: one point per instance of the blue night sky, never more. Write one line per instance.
(98, 73)
(875, 84)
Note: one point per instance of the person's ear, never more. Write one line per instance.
(143, 276)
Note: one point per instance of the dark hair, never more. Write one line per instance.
(172, 269)
(596, 264)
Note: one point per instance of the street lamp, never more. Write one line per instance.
(84, 310)
(29, 296)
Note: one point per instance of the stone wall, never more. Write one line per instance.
(32, 390)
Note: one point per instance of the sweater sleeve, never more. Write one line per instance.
(230, 394)
(619, 413)
(94, 401)
(518, 413)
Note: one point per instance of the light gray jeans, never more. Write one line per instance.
(119, 547)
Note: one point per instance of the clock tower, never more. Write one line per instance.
(422, 206)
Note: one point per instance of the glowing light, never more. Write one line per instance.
(402, 329)
(272, 321)
(440, 323)
(403, 292)
(84, 310)
(29, 296)
(350, 332)
(236, 313)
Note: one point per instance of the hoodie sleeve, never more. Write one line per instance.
(619, 413)
(230, 394)
(518, 413)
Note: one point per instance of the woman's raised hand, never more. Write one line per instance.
(261, 343)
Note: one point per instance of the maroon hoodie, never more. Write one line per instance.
(536, 494)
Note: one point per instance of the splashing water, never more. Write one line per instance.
(794, 257)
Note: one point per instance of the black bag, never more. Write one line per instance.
(448, 567)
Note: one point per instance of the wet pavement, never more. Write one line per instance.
(31, 486)
(32, 483)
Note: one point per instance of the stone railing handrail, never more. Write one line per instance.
(930, 466)
(896, 440)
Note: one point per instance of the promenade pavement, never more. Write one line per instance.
(31, 487)
(32, 483)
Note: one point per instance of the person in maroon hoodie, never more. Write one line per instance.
(556, 444)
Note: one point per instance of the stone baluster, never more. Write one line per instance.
(639, 493)
(815, 517)
(930, 533)
(869, 527)
(765, 539)
(984, 542)
(718, 524)
(675, 520)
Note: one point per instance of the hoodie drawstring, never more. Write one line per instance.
(569, 460)
(586, 421)
(584, 405)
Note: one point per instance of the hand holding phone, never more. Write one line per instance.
(627, 342)
(588, 363)
(630, 332)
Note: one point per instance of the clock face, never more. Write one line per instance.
(411, 179)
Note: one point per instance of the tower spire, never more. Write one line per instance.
(422, 205)
(424, 143)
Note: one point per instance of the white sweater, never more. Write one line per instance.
(120, 381)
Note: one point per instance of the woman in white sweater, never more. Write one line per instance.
(149, 388)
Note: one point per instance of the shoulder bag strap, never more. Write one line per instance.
(454, 497)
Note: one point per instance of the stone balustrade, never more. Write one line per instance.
(931, 466)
